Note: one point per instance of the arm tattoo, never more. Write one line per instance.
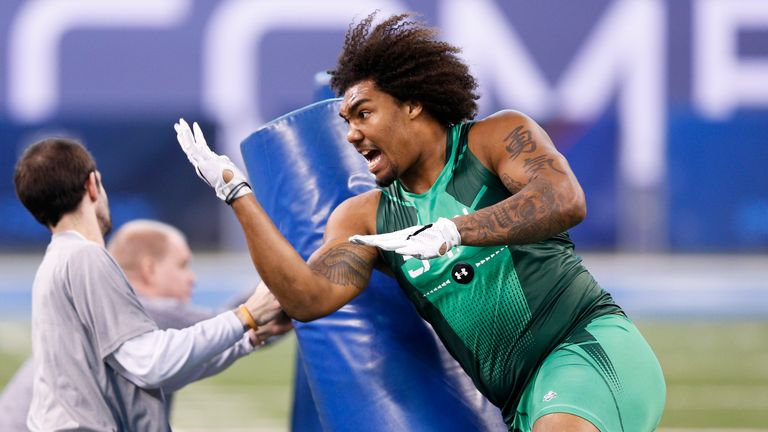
(512, 185)
(533, 214)
(534, 165)
(519, 141)
(345, 264)
(535, 211)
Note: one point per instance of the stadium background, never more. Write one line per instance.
(660, 107)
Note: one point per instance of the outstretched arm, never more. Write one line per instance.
(336, 273)
(547, 199)
(250, 341)
(172, 358)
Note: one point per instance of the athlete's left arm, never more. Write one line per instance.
(546, 197)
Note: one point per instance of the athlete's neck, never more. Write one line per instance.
(430, 161)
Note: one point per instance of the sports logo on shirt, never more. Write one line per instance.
(463, 273)
(549, 396)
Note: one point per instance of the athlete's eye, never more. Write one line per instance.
(364, 114)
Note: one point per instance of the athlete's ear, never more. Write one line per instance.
(414, 109)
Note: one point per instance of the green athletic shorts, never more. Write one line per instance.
(605, 373)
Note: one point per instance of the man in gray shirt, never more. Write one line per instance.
(156, 260)
(100, 363)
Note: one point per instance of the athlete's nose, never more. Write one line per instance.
(354, 135)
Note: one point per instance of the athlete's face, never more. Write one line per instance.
(378, 128)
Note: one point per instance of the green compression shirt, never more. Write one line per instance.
(499, 310)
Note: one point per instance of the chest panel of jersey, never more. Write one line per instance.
(488, 313)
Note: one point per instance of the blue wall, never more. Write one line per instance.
(122, 75)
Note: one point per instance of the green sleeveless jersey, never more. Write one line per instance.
(499, 310)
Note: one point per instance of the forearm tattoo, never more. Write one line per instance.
(534, 212)
(345, 264)
(531, 215)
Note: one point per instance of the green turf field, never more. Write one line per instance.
(717, 380)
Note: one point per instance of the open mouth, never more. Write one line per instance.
(373, 157)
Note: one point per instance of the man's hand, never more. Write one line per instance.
(218, 171)
(262, 305)
(421, 241)
(271, 331)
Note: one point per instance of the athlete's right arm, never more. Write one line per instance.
(338, 270)
(336, 273)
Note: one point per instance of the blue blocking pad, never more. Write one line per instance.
(374, 365)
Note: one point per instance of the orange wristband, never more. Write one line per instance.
(248, 317)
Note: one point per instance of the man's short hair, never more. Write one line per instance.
(50, 178)
(141, 238)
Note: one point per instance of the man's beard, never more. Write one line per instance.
(105, 222)
(385, 181)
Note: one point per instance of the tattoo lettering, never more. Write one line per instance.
(534, 165)
(346, 264)
(520, 141)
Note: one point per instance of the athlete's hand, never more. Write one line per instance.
(421, 241)
(218, 171)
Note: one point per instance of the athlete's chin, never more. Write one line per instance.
(385, 180)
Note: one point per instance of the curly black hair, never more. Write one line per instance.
(404, 59)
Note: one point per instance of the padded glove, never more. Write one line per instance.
(216, 170)
(420, 241)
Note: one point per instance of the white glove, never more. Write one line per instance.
(420, 241)
(210, 167)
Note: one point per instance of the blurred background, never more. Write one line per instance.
(661, 107)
